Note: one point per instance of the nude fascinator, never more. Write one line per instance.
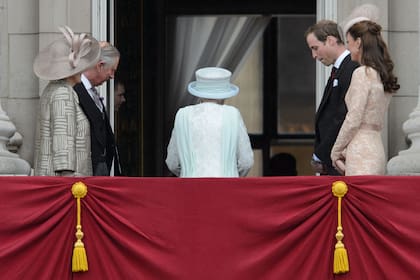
(360, 13)
(66, 56)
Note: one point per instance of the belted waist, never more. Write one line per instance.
(370, 127)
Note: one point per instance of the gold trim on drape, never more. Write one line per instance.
(341, 261)
(79, 260)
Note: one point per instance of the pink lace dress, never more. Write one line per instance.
(359, 142)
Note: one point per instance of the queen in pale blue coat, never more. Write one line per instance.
(210, 139)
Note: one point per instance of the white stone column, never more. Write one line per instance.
(10, 163)
(407, 162)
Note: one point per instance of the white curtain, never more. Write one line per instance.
(201, 41)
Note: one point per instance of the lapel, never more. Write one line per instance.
(329, 87)
(88, 105)
(92, 112)
(327, 93)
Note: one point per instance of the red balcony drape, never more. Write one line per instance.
(227, 229)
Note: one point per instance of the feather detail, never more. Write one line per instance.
(80, 45)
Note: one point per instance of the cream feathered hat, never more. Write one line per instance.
(360, 13)
(66, 56)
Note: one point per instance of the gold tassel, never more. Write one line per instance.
(79, 260)
(341, 261)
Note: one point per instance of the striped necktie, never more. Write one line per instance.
(97, 98)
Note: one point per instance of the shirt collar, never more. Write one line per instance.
(340, 59)
(86, 82)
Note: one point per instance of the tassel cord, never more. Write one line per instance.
(339, 213)
(79, 259)
(341, 263)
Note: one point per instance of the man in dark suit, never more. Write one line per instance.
(104, 150)
(327, 46)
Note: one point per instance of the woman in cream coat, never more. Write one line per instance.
(62, 146)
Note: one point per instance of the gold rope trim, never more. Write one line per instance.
(79, 260)
(341, 261)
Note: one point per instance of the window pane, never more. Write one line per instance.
(250, 98)
(296, 79)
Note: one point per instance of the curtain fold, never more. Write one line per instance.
(200, 41)
(217, 228)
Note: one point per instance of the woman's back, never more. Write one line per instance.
(205, 121)
(210, 141)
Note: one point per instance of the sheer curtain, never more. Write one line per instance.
(200, 41)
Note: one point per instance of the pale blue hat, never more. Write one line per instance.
(213, 83)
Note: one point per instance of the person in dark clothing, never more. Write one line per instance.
(327, 46)
(104, 150)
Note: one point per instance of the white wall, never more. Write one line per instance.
(404, 47)
(27, 26)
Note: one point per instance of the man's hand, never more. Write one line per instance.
(318, 167)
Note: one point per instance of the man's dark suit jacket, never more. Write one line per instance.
(102, 138)
(331, 113)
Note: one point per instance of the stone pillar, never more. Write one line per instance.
(10, 163)
(407, 162)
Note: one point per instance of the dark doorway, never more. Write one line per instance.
(141, 36)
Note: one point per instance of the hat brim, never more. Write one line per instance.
(192, 88)
(49, 67)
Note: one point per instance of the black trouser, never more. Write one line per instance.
(101, 169)
(331, 171)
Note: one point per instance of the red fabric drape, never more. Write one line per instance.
(239, 228)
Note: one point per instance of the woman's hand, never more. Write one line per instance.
(340, 166)
(338, 160)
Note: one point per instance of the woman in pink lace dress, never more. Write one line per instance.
(358, 149)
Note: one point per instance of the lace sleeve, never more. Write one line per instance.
(356, 100)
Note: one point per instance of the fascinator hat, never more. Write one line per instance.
(66, 56)
(361, 13)
(213, 83)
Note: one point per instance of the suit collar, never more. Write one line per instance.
(328, 87)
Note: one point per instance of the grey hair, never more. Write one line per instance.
(109, 55)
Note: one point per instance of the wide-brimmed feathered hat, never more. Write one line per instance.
(213, 83)
(66, 56)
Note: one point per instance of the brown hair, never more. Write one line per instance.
(375, 52)
(324, 28)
